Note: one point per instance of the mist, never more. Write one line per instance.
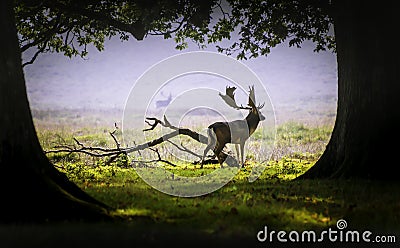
(301, 83)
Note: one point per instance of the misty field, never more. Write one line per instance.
(239, 209)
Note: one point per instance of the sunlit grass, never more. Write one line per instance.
(243, 207)
(239, 207)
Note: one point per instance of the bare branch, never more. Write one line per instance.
(140, 154)
(115, 152)
(79, 143)
(184, 149)
(156, 121)
(159, 157)
(152, 125)
(115, 139)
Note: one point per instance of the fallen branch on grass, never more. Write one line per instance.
(113, 153)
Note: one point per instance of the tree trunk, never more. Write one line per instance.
(364, 141)
(30, 187)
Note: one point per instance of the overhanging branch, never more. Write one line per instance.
(137, 29)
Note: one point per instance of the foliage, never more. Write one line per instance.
(70, 26)
(252, 27)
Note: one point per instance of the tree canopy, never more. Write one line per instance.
(69, 26)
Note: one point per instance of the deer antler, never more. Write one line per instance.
(229, 98)
(252, 99)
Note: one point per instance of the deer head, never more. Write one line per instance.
(229, 99)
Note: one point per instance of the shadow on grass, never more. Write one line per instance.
(229, 217)
(239, 210)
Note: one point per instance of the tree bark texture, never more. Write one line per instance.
(364, 141)
(31, 188)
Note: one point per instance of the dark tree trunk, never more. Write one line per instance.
(364, 142)
(31, 189)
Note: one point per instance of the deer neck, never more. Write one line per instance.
(252, 122)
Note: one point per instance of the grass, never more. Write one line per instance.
(240, 208)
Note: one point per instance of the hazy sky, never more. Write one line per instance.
(297, 79)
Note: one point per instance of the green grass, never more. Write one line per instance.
(240, 208)
(243, 207)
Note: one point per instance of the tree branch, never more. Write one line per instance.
(184, 149)
(169, 32)
(34, 57)
(46, 35)
(160, 159)
(104, 152)
(115, 139)
(137, 28)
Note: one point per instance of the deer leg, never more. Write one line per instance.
(217, 151)
(242, 153)
(237, 153)
(210, 144)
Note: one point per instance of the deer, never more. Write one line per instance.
(163, 103)
(235, 132)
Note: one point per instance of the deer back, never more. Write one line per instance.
(231, 132)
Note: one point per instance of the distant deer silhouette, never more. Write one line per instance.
(163, 103)
(235, 132)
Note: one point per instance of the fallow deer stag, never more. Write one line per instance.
(235, 132)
